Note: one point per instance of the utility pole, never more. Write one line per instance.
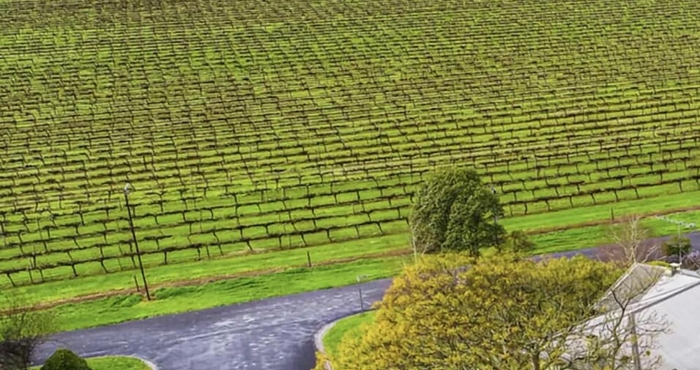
(136, 243)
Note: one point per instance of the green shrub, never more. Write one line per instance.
(517, 241)
(64, 359)
(677, 246)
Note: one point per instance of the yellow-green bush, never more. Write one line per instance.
(500, 313)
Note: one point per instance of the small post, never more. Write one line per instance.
(680, 251)
(612, 214)
(495, 218)
(136, 243)
(308, 258)
(136, 282)
(359, 289)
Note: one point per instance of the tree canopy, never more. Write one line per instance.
(21, 332)
(498, 313)
(454, 211)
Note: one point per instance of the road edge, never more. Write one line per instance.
(321, 333)
(318, 339)
(150, 364)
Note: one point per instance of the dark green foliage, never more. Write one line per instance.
(677, 246)
(64, 359)
(454, 211)
(517, 241)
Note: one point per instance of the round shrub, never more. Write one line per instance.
(677, 246)
(64, 359)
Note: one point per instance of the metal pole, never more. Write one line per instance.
(362, 303)
(359, 289)
(136, 243)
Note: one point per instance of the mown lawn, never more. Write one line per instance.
(182, 299)
(112, 363)
(349, 326)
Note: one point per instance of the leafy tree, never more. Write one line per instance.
(517, 242)
(454, 211)
(64, 359)
(21, 332)
(500, 312)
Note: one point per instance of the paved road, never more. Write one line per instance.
(272, 334)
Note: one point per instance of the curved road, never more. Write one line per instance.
(271, 334)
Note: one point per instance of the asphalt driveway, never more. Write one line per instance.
(271, 334)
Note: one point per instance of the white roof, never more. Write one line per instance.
(676, 300)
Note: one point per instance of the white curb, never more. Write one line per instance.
(318, 340)
(145, 362)
(318, 336)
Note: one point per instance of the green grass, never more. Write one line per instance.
(183, 299)
(349, 326)
(112, 363)
(52, 291)
(602, 212)
(295, 280)
(550, 242)
(592, 236)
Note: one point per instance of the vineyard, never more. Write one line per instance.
(254, 126)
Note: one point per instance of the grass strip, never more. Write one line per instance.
(542, 223)
(332, 273)
(113, 363)
(99, 286)
(174, 300)
(123, 282)
(348, 326)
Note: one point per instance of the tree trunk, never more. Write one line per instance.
(536, 361)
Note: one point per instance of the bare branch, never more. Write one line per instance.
(631, 244)
(624, 335)
(21, 332)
